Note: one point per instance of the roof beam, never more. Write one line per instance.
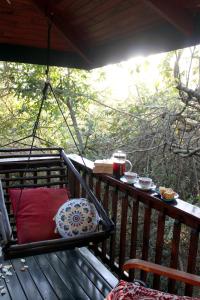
(63, 25)
(174, 14)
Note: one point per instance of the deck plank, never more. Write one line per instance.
(14, 288)
(7, 295)
(58, 285)
(25, 280)
(64, 275)
(98, 266)
(81, 278)
(67, 276)
(40, 280)
(92, 272)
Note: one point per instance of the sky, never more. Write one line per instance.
(119, 80)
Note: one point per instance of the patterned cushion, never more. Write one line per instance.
(76, 217)
(130, 291)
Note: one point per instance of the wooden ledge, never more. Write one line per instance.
(163, 271)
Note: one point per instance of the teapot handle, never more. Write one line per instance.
(130, 165)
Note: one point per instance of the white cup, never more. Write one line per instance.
(130, 177)
(145, 182)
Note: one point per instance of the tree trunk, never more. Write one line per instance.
(75, 125)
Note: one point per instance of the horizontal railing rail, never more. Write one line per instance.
(146, 228)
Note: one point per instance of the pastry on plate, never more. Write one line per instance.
(162, 190)
(167, 193)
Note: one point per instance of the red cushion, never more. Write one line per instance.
(34, 212)
(130, 291)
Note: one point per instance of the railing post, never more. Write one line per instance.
(105, 205)
(193, 248)
(123, 232)
(159, 246)
(174, 252)
(135, 209)
(146, 237)
(114, 218)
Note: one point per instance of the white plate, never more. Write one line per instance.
(138, 186)
(124, 180)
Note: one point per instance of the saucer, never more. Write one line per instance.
(124, 180)
(138, 186)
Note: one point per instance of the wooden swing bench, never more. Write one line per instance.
(72, 273)
(67, 274)
(49, 168)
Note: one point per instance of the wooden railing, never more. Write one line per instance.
(146, 228)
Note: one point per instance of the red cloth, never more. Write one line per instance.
(34, 212)
(130, 291)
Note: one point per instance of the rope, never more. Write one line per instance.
(35, 127)
(44, 97)
(15, 141)
(44, 141)
(48, 49)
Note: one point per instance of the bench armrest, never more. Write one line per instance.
(163, 271)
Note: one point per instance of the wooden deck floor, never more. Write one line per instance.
(70, 275)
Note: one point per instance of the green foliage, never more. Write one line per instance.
(144, 125)
(21, 94)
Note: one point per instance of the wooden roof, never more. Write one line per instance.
(92, 33)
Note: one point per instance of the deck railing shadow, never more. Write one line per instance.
(146, 228)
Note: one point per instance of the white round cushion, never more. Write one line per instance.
(76, 217)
